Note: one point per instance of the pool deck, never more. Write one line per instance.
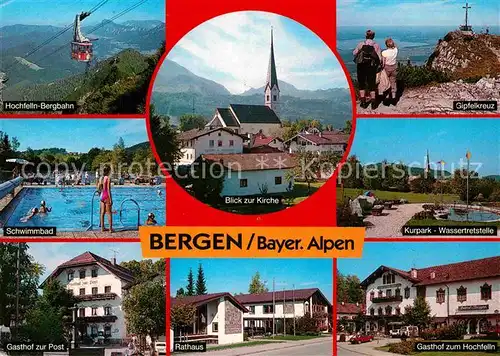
(128, 234)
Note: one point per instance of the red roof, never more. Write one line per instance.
(199, 300)
(195, 133)
(263, 149)
(279, 296)
(462, 271)
(88, 258)
(262, 140)
(454, 272)
(254, 161)
(349, 308)
(324, 138)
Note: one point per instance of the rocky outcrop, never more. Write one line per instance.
(467, 56)
(438, 99)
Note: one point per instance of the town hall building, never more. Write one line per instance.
(467, 293)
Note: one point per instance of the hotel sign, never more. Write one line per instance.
(387, 286)
(473, 307)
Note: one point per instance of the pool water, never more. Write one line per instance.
(473, 215)
(71, 207)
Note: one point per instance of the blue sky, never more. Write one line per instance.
(75, 135)
(405, 255)
(233, 50)
(53, 254)
(234, 275)
(407, 140)
(416, 12)
(62, 12)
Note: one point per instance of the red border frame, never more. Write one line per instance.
(183, 16)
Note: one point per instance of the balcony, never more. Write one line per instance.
(101, 296)
(97, 319)
(390, 299)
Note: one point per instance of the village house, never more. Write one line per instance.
(255, 173)
(348, 312)
(260, 140)
(318, 141)
(218, 319)
(282, 307)
(99, 286)
(218, 140)
(467, 293)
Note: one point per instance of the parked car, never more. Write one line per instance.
(161, 347)
(359, 339)
(409, 331)
(395, 332)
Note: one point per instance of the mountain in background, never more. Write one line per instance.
(174, 78)
(53, 61)
(116, 85)
(178, 91)
(290, 90)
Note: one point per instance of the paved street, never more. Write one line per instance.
(316, 347)
(347, 349)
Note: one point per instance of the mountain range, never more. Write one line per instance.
(53, 62)
(178, 91)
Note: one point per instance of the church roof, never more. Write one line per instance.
(227, 117)
(272, 77)
(254, 114)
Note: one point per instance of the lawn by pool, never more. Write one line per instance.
(72, 207)
(385, 195)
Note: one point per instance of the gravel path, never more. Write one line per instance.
(390, 224)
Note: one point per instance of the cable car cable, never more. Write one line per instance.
(102, 25)
(58, 34)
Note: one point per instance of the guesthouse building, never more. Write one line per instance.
(466, 292)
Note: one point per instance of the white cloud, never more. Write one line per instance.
(233, 50)
(6, 3)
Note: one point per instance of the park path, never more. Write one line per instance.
(390, 225)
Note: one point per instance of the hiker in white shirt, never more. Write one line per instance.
(390, 64)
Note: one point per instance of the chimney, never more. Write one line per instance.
(320, 134)
(357, 304)
(343, 303)
(113, 261)
(413, 273)
(433, 275)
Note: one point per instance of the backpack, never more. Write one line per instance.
(368, 56)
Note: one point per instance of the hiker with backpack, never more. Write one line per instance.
(368, 59)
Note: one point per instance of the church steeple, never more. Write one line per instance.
(272, 91)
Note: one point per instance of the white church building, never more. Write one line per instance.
(467, 293)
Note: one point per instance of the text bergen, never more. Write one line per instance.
(202, 241)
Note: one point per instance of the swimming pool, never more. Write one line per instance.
(473, 215)
(72, 207)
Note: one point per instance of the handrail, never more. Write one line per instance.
(138, 211)
(9, 186)
(96, 192)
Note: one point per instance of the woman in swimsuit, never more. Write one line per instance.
(106, 198)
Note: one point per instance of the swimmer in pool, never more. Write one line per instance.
(31, 214)
(104, 187)
(151, 219)
(158, 192)
(43, 208)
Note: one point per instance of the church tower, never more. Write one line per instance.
(272, 90)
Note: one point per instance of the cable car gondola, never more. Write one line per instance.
(81, 46)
